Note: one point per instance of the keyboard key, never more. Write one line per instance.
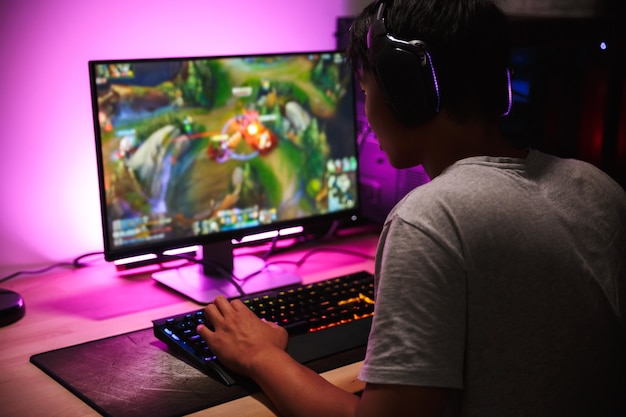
(345, 304)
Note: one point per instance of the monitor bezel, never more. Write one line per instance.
(317, 221)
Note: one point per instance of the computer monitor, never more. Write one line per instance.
(208, 150)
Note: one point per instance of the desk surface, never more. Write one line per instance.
(68, 307)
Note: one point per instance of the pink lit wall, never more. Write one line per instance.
(49, 203)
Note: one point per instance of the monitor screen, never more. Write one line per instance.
(200, 150)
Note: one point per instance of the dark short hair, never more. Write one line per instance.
(468, 42)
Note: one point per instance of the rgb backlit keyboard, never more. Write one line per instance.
(322, 319)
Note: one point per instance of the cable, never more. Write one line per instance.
(228, 275)
(271, 249)
(77, 264)
(317, 250)
(330, 233)
(301, 240)
(36, 271)
(234, 280)
(307, 255)
(74, 264)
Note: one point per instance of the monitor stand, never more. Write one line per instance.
(203, 282)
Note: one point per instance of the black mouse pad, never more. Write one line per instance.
(135, 374)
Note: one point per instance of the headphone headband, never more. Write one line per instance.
(377, 27)
(404, 72)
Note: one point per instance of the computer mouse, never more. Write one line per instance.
(12, 307)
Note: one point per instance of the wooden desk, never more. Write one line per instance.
(68, 307)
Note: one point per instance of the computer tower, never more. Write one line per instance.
(382, 186)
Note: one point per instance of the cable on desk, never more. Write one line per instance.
(306, 256)
(230, 277)
(305, 239)
(329, 249)
(76, 263)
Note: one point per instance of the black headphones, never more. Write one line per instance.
(404, 73)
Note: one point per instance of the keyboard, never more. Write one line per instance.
(322, 319)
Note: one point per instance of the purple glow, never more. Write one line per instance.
(291, 231)
(181, 251)
(509, 93)
(48, 181)
(430, 62)
(132, 259)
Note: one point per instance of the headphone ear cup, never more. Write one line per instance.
(404, 73)
(406, 80)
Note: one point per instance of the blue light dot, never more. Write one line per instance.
(603, 46)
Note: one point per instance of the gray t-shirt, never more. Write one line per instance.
(505, 278)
